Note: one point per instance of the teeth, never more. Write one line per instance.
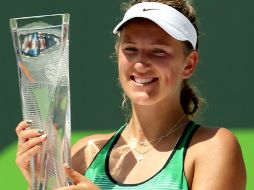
(142, 81)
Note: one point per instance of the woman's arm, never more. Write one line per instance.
(219, 162)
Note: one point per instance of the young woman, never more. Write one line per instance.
(160, 147)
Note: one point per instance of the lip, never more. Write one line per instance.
(143, 81)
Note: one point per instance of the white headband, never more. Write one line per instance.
(168, 18)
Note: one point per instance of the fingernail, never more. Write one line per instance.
(66, 165)
(43, 136)
(39, 144)
(40, 131)
(29, 121)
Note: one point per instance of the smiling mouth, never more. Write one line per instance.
(143, 81)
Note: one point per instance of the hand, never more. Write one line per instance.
(29, 144)
(80, 181)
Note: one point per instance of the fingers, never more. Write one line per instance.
(26, 134)
(25, 146)
(23, 160)
(81, 181)
(75, 176)
(29, 143)
(23, 125)
(22, 132)
(77, 187)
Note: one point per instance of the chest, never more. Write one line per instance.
(127, 168)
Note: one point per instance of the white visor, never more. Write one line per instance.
(168, 18)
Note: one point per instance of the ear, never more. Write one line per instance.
(190, 64)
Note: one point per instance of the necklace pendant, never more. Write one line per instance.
(140, 157)
(143, 144)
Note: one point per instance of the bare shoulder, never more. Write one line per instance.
(217, 152)
(98, 139)
(84, 150)
(215, 136)
(215, 140)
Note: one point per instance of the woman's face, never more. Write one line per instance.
(152, 64)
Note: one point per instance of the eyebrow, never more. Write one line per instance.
(127, 39)
(155, 43)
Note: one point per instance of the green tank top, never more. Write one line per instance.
(171, 176)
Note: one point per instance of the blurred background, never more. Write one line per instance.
(223, 75)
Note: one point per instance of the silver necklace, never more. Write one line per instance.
(149, 145)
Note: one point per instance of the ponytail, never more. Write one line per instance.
(190, 101)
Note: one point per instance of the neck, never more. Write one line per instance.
(151, 122)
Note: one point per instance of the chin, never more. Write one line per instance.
(142, 99)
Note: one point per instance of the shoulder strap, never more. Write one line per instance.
(186, 137)
(99, 159)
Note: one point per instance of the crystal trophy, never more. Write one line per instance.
(41, 45)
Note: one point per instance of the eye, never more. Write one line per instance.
(130, 50)
(159, 52)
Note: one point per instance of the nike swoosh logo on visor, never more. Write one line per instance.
(149, 9)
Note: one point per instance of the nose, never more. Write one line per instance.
(142, 63)
(141, 67)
